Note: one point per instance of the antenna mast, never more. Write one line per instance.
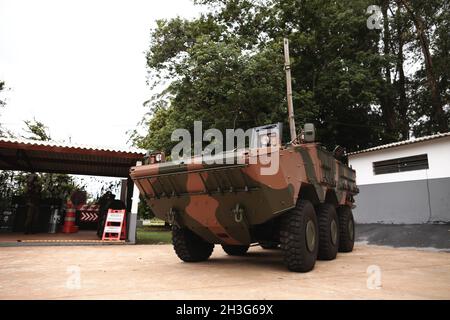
(287, 68)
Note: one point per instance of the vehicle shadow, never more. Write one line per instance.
(267, 259)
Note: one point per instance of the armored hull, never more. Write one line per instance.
(227, 202)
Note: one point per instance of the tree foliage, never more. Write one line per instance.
(361, 87)
(36, 130)
(3, 132)
(2, 87)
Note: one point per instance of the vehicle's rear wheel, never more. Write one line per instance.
(268, 245)
(328, 232)
(346, 229)
(189, 247)
(299, 237)
(232, 250)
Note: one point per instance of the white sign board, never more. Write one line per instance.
(110, 229)
(115, 216)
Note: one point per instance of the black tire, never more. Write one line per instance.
(299, 237)
(189, 247)
(346, 229)
(235, 250)
(267, 245)
(328, 232)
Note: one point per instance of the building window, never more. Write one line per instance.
(418, 162)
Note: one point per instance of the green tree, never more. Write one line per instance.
(417, 11)
(2, 87)
(3, 131)
(226, 69)
(37, 130)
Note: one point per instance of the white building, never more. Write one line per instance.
(404, 182)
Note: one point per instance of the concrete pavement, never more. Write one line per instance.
(154, 272)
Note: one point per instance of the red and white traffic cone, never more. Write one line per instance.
(69, 220)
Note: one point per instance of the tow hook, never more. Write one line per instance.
(238, 213)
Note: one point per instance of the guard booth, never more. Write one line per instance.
(54, 157)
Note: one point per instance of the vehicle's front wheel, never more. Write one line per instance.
(346, 229)
(189, 247)
(233, 250)
(299, 237)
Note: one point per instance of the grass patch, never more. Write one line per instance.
(153, 235)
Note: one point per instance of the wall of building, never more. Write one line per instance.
(418, 196)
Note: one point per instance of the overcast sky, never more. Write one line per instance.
(79, 66)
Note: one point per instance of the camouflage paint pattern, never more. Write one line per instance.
(204, 197)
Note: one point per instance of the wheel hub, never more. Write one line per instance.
(310, 236)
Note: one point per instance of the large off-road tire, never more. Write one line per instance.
(189, 247)
(346, 229)
(268, 245)
(328, 231)
(235, 250)
(299, 237)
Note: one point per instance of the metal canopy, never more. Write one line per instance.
(55, 157)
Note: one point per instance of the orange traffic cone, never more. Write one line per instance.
(69, 220)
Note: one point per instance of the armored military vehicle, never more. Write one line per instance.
(303, 207)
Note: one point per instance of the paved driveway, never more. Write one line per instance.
(154, 272)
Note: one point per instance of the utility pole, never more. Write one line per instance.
(287, 68)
